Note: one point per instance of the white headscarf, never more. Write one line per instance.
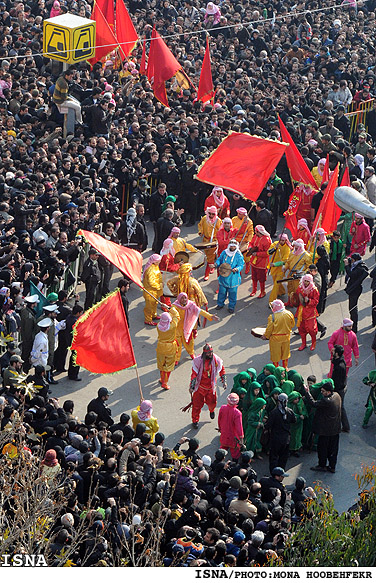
(359, 159)
(131, 222)
(168, 247)
(231, 243)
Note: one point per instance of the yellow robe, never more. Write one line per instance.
(190, 286)
(152, 426)
(167, 346)
(152, 282)
(278, 332)
(311, 246)
(181, 341)
(208, 233)
(316, 176)
(276, 272)
(249, 232)
(305, 260)
(180, 244)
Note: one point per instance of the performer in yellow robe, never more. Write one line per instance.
(207, 229)
(318, 238)
(278, 332)
(183, 282)
(144, 414)
(179, 243)
(244, 233)
(278, 254)
(152, 282)
(296, 265)
(189, 314)
(167, 346)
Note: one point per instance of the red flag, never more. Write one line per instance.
(242, 163)
(206, 88)
(128, 261)
(162, 65)
(107, 8)
(143, 60)
(102, 348)
(346, 177)
(299, 170)
(325, 174)
(291, 221)
(125, 30)
(329, 212)
(105, 40)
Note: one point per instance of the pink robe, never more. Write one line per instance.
(349, 342)
(230, 425)
(361, 237)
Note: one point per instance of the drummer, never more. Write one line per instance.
(218, 199)
(168, 263)
(224, 235)
(183, 282)
(179, 243)
(278, 254)
(296, 265)
(243, 234)
(278, 332)
(208, 228)
(230, 263)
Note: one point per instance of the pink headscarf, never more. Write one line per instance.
(284, 237)
(174, 231)
(321, 161)
(241, 210)
(218, 195)
(155, 258)
(50, 458)
(298, 246)
(321, 239)
(304, 224)
(261, 229)
(347, 322)
(55, 10)
(164, 322)
(277, 306)
(233, 399)
(358, 216)
(192, 312)
(211, 209)
(168, 247)
(307, 277)
(146, 409)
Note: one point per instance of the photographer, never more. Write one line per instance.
(356, 272)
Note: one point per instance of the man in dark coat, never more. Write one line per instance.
(156, 202)
(278, 423)
(28, 329)
(91, 277)
(262, 216)
(70, 321)
(327, 425)
(356, 272)
(163, 229)
(339, 378)
(190, 189)
(98, 406)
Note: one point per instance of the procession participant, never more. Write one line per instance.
(356, 273)
(183, 282)
(243, 234)
(296, 265)
(307, 310)
(28, 328)
(205, 370)
(296, 404)
(254, 427)
(168, 263)
(152, 282)
(360, 233)
(167, 345)
(303, 231)
(335, 256)
(218, 199)
(207, 229)
(346, 338)
(189, 313)
(231, 427)
(318, 238)
(370, 380)
(306, 194)
(228, 284)
(278, 332)
(179, 243)
(224, 235)
(144, 414)
(278, 255)
(318, 171)
(39, 351)
(258, 249)
(279, 423)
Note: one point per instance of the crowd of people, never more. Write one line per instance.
(132, 161)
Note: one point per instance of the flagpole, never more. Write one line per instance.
(139, 383)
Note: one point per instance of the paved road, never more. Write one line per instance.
(232, 340)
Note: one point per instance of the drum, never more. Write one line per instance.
(243, 247)
(204, 246)
(294, 300)
(224, 269)
(196, 259)
(166, 276)
(181, 256)
(258, 332)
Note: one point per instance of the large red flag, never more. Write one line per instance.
(162, 65)
(346, 177)
(206, 88)
(291, 221)
(299, 170)
(329, 212)
(128, 261)
(105, 40)
(142, 70)
(242, 163)
(125, 30)
(101, 337)
(107, 8)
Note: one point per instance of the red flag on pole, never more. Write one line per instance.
(107, 8)
(105, 40)
(128, 261)
(299, 170)
(162, 65)
(125, 30)
(329, 212)
(242, 163)
(206, 88)
(346, 177)
(102, 348)
(142, 70)
(291, 221)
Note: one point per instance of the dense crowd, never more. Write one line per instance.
(131, 160)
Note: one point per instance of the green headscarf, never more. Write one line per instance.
(371, 378)
(261, 377)
(288, 388)
(257, 405)
(271, 381)
(280, 374)
(251, 397)
(252, 373)
(168, 198)
(238, 382)
(270, 402)
(315, 389)
(298, 381)
(292, 396)
(290, 373)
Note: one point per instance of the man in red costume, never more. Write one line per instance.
(218, 199)
(205, 371)
(258, 249)
(225, 234)
(230, 426)
(360, 233)
(307, 312)
(304, 209)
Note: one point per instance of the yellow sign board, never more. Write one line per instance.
(69, 38)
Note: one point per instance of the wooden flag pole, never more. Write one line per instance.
(139, 384)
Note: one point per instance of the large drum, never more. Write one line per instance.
(224, 269)
(196, 259)
(258, 332)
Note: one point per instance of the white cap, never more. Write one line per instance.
(32, 299)
(45, 323)
(136, 519)
(206, 460)
(52, 308)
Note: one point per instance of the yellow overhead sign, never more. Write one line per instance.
(69, 38)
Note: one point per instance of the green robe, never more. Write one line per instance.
(270, 402)
(269, 384)
(288, 387)
(253, 432)
(261, 377)
(296, 429)
(250, 398)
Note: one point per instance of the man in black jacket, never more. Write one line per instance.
(327, 425)
(99, 118)
(356, 272)
(98, 406)
(91, 277)
(339, 377)
(278, 423)
(71, 319)
(156, 202)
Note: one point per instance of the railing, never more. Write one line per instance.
(126, 192)
(357, 114)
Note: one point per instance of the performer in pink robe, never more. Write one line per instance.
(361, 235)
(231, 426)
(347, 338)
